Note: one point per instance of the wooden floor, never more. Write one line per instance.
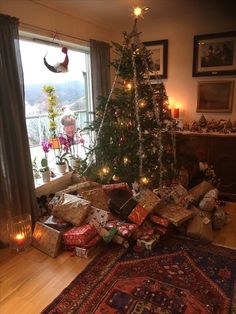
(30, 280)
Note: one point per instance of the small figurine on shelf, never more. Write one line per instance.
(202, 121)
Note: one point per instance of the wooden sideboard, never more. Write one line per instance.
(219, 150)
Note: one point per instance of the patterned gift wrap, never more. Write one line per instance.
(97, 197)
(178, 192)
(71, 209)
(100, 215)
(124, 229)
(144, 232)
(148, 200)
(138, 215)
(175, 214)
(79, 236)
(159, 221)
(57, 223)
(148, 244)
(47, 239)
(85, 252)
(77, 189)
(107, 235)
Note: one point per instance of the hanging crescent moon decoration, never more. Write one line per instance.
(58, 67)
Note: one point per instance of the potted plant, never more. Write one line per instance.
(35, 170)
(52, 114)
(62, 153)
(44, 170)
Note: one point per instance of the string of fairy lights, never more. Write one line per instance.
(137, 12)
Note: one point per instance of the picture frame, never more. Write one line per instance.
(214, 54)
(159, 50)
(215, 96)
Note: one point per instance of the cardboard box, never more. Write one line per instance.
(47, 239)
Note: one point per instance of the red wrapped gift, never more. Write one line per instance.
(159, 221)
(124, 229)
(79, 235)
(138, 215)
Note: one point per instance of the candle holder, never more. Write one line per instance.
(20, 232)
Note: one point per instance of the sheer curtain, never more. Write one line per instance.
(100, 69)
(17, 192)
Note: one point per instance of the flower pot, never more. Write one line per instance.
(75, 163)
(46, 176)
(61, 168)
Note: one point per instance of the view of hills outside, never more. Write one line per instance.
(70, 88)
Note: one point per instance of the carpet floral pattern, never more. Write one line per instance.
(177, 277)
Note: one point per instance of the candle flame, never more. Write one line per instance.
(20, 236)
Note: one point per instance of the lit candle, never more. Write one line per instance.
(20, 239)
(176, 113)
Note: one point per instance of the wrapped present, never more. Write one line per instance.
(198, 191)
(164, 194)
(175, 214)
(93, 242)
(138, 215)
(97, 197)
(148, 244)
(121, 241)
(159, 221)
(57, 223)
(79, 236)
(47, 239)
(106, 235)
(86, 252)
(127, 208)
(220, 218)
(178, 192)
(148, 200)
(77, 189)
(208, 202)
(200, 227)
(100, 215)
(71, 209)
(144, 233)
(123, 228)
(119, 193)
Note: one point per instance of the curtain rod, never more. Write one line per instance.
(55, 32)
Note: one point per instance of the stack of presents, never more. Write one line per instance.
(87, 215)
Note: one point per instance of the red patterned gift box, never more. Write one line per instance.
(79, 235)
(138, 215)
(159, 221)
(124, 229)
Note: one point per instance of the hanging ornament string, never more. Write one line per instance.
(136, 99)
(104, 113)
(59, 67)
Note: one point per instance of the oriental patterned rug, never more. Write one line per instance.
(178, 276)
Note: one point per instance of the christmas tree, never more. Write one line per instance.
(134, 138)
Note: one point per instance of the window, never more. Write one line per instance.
(72, 87)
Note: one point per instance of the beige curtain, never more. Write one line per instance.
(100, 69)
(17, 193)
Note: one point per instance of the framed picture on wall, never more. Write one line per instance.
(215, 96)
(214, 54)
(159, 50)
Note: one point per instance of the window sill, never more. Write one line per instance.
(53, 186)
